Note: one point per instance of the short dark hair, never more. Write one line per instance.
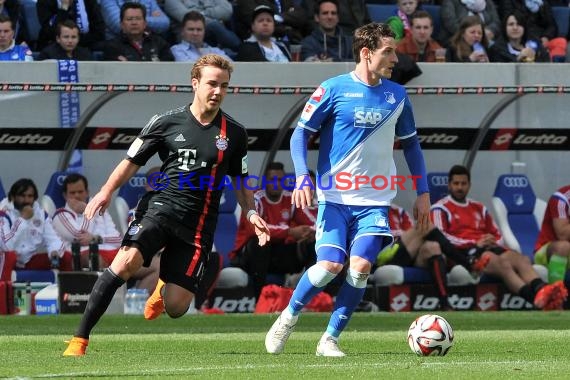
(132, 5)
(194, 16)
(73, 178)
(70, 24)
(275, 165)
(317, 7)
(459, 170)
(368, 36)
(20, 186)
(6, 18)
(421, 14)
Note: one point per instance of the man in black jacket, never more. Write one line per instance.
(262, 46)
(134, 43)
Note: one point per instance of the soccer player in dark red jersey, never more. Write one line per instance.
(199, 145)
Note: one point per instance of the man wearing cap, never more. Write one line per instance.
(292, 22)
(261, 46)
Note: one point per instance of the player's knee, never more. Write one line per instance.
(357, 279)
(320, 276)
(175, 313)
(560, 248)
(175, 309)
(430, 248)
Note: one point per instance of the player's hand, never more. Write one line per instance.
(300, 233)
(486, 240)
(421, 212)
(303, 192)
(77, 205)
(99, 203)
(84, 238)
(261, 229)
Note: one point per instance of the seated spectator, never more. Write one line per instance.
(471, 228)
(453, 12)
(9, 51)
(538, 15)
(262, 46)
(352, 13)
(469, 43)
(430, 250)
(553, 244)
(216, 13)
(27, 231)
(290, 228)
(405, 10)
(192, 45)
(419, 45)
(72, 226)
(66, 45)
(13, 9)
(85, 13)
(291, 21)
(514, 45)
(156, 20)
(327, 43)
(135, 43)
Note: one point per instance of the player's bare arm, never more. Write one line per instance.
(245, 199)
(102, 199)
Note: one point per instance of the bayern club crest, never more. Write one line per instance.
(222, 142)
(134, 229)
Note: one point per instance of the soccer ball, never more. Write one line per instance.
(430, 334)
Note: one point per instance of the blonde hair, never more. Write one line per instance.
(210, 60)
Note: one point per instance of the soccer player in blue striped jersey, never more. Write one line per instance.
(358, 116)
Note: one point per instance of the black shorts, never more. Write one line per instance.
(402, 257)
(184, 257)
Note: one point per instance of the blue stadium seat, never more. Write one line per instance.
(24, 275)
(562, 18)
(31, 19)
(518, 211)
(380, 12)
(2, 192)
(228, 219)
(437, 183)
(53, 196)
(127, 199)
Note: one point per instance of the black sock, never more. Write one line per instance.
(439, 273)
(447, 248)
(527, 293)
(209, 278)
(536, 285)
(99, 300)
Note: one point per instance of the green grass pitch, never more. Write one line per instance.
(492, 345)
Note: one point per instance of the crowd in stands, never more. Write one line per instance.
(268, 30)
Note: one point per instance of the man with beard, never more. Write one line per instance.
(470, 227)
(26, 232)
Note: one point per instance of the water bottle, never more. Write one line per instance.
(142, 296)
(94, 256)
(130, 299)
(76, 255)
(477, 46)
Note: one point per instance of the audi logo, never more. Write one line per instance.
(515, 182)
(137, 181)
(439, 180)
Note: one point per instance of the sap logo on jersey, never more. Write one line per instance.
(365, 117)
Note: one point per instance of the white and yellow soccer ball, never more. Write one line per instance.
(430, 334)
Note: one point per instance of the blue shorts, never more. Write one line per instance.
(340, 225)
